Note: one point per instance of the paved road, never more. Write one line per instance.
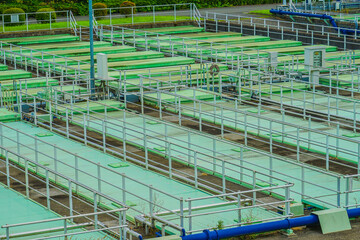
(238, 10)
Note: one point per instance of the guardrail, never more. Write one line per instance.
(65, 19)
(153, 213)
(146, 14)
(323, 6)
(269, 88)
(36, 21)
(202, 50)
(14, 162)
(37, 60)
(67, 226)
(174, 150)
(264, 125)
(277, 29)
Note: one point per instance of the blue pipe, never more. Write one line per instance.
(320, 16)
(261, 227)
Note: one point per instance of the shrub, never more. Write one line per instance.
(7, 18)
(43, 15)
(99, 9)
(3, 7)
(126, 8)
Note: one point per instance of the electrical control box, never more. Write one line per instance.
(102, 66)
(314, 57)
(273, 59)
(337, 5)
(15, 18)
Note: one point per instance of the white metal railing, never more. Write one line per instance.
(196, 15)
(68, 226)
(202, 50)
(263, 124)
(37, 60)
(15, 161)
(200, 155)
(73, 23)
(33, 21)
(95, 26)
(164, 103)
(307, 99)
(152, 199)
(146, 14)
(278, 29)
(206, 51)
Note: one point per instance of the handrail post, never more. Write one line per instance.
(95, 211)
(175, 12)
(70, 199)
(151, 203)
(123, 185)
(7, 233)
(7, 169)
(65, 228)
(189, 214)
(338, 193)
(254, 188)
(181, 212)
(239, 208)
(27, 178)
(47, 190)
(348, 189)
(195, 169)
(287, 203)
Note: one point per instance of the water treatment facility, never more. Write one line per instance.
(181, 123)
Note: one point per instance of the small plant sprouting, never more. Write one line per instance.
(220, 225)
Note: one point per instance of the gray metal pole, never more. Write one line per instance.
(92, 67)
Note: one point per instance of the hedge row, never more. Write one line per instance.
(44, 15)
(80, 7)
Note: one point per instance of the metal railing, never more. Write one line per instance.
(281, 30)
(172, 150)
(262, 123)
(67, 226)
(14, 162)
(202, 50)
(323, 6)
(36, 21)
(233, 56)
(65, 19)
(38, 61)
(150, 213)
(287, 92)
(174, 147)
(146, 14)
(73, 23)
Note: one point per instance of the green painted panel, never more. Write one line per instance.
(41, 39)
(333, 220)
(14, 74)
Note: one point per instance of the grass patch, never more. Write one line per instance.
(261, 12)
(115, 21)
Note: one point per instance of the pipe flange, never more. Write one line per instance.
(214, 70)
